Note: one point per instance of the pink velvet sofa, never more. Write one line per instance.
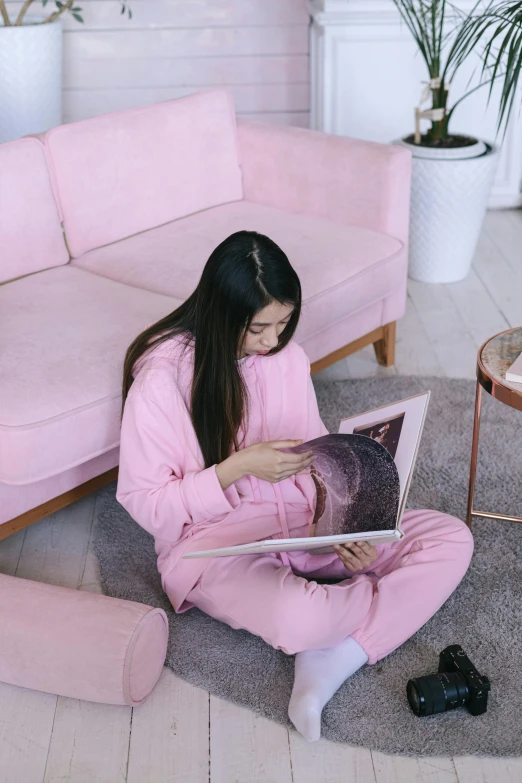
(105, 226)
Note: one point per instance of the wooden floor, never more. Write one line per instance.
(183, 735)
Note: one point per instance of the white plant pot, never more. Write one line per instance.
(30, 78)
(449, 195)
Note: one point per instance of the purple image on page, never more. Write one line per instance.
(358, 486)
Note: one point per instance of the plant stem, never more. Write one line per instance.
(23, 12)
(60, 11)
(439, 128)
(5, 16)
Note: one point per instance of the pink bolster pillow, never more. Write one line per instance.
(79, 644)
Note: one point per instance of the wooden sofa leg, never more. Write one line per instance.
(382, 338)
(35, 514)
(385, 347)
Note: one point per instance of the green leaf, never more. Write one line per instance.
(491, 29)
(130, 14)
(44, 2)
(59, 4)
(78, 17)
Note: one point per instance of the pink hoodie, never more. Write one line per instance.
(162, 483)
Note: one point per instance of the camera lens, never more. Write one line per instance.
(437, 693)
(413, 697)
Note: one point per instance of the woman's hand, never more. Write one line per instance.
(356, 555)
(265, 461)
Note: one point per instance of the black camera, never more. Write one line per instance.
(457, 684)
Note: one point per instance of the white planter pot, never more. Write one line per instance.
(30, 78)
(449, 196)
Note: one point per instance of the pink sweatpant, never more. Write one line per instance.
(380, 606)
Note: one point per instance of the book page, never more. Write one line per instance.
(514, 373)
(358, 487)
(398, 427)
(363, 473)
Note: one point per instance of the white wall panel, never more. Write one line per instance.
(258, 49)
(251, 99)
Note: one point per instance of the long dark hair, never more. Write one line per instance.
(244, 274)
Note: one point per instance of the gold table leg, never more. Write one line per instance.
(471, 512)
(474, 452)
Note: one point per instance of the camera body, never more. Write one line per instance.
(457, 684)
(454, 659)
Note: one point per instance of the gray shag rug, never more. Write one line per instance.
(484, 614)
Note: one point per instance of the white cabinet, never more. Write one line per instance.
(366, 79)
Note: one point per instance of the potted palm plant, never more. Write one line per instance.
(31, 66)
(453, 173)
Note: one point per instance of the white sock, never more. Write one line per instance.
(318, 675)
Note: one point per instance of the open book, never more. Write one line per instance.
(362, 475)
(514, 373)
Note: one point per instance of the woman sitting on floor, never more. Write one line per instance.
(211, 394)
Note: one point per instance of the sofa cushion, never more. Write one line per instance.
(31, 236)
(131, 170)
(341, 268)
(63, 337)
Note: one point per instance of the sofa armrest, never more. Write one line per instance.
(345, 180)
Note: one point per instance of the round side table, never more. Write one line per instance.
(494, 358)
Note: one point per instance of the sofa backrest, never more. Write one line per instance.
(31, 236)
(122, 173)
